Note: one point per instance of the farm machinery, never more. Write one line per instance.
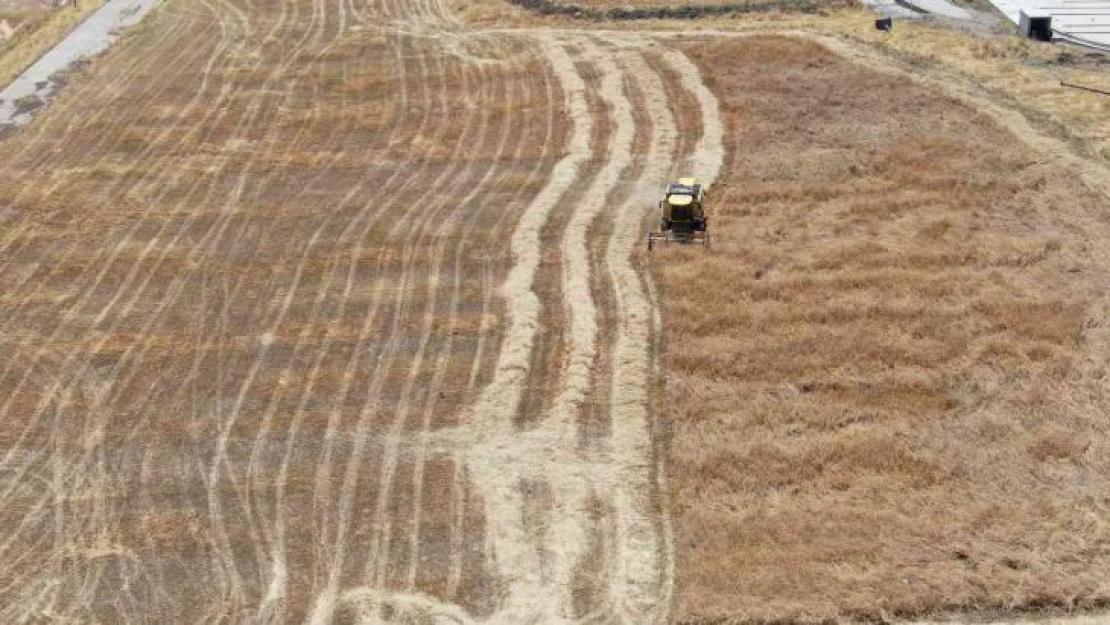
(682, 215)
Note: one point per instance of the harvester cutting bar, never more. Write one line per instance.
(682, 214)
(695, 238)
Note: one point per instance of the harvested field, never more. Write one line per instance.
(618, 10)
(885, 383)
(338, 311)
(330, 311)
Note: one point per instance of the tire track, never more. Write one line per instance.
(492, 415)
(318, 305)
(450, 185)
(380, 546)
(472, 205)
(421, 452)
(72, 312)
(121, 85)
(457, 490)
(8, 457)
(277, 589)
(640, 559)
(325, 603)
(568, 536)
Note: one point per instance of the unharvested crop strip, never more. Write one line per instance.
(225, 382)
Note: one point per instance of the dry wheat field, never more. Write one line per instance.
(338, 311)
(332, 311)
(886, 384)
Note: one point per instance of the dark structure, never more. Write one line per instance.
(1036, 27)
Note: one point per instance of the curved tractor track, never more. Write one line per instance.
(334, 311)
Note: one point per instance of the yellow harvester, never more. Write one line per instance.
(682, 218)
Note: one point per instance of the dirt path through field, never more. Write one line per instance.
(272, 312)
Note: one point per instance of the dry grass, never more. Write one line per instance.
(884, 395)
(38, 31)
(485, 13)
(227, 184)
(607, 4)
(1027, 74)
(1024, 74)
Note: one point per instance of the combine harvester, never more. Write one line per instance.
(683, 217)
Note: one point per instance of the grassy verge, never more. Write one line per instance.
(653, 11)
(38, 34)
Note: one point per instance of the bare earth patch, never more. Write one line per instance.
(884, 381)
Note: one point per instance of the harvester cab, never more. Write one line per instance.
(682, 214)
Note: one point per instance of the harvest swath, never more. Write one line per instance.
(323, 310)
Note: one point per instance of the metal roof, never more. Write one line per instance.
(1085, 22)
